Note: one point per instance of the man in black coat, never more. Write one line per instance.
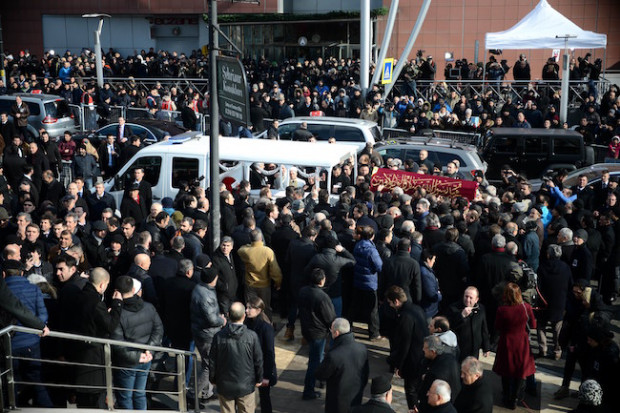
(144, 187)
(99, 200)
(476, 395)
(39, 162)
(175, 306)
(404, 271)
(344, 369)
(451, 266)
(95, 320)
(93, 245)
(130, 150)
(469, 322)
(300, 252)
(333, 259)
(441, 365)
(494, 268)
(406, 345)
(236, 362)
(227, 283)
(581, 261)
(316, 314)
(554, 282)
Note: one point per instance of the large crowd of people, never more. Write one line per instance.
(442, 280)
(330, 87)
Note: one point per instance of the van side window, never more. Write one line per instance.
(348, 134)
(566, 146)
(286, 131)
(34, 107)
(536, 144)
(322, 132)
(444, 158)
(184, 169)
(506, 144)
(152, 168)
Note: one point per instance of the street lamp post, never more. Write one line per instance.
(98, 55)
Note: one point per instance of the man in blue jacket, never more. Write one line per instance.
(24, 344)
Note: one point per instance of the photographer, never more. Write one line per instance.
(469, 323)
(521, 70)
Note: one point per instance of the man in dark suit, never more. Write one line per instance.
(109, 155)
(584, 192)
(123, 132)
(7, 128)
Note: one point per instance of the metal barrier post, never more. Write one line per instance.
(10, 381)
(196, 404)
(181, 382)
(108, 375)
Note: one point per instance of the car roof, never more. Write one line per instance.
(534, 132)
(430, 142)
(330, 120)
(259, 150)
(166, 126)
(35, 96)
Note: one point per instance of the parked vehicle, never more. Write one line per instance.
(187, 158)
(356, 132)
(534, 151)
(440, 151)
(150, 131)
(47, 112)
(593, 172)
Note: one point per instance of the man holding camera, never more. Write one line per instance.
(469, 323)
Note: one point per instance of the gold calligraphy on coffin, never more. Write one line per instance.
(408, 181)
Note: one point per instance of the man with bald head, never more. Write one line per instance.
(94, 319)
(139, 270)
(236, 363)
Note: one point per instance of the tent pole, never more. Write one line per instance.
(484, 71)
(565, 78)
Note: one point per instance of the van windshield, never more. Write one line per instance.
(57, 109)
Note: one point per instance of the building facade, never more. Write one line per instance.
(267, 29)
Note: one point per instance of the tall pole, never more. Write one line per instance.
(214, 130)
(565, 79)
(409, 45)
(98, 55)
(364, 45)
(387, 36)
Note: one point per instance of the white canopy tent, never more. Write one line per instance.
(546, 28)
(538, 30)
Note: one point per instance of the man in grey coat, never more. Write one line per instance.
(206, 321)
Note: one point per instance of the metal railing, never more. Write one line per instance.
(88, 118)
(5, 336)
(184, 85)
(471, 138)
(501, 90)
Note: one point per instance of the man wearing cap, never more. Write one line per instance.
(380, 396)
(143, 186)
(581, 261)
(206, 321)
(93, 244)
(139, 323)
(22, 344)
(133, 204)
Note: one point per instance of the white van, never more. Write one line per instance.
(186, 158)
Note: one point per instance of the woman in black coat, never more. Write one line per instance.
(257, 321)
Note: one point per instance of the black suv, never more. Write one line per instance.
(535, 151)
